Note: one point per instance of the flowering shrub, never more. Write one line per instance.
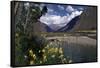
(50, 55)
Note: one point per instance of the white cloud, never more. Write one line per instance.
(50, 10)
(74, 14)
(56, 21)
(81, 8)
(61, 7)
(70, 9)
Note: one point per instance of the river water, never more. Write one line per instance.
(78, 49)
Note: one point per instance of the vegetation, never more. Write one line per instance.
(32, 48)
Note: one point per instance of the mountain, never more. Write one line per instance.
(48, 29)
(88, 20)
(39, 27)
(65, 28)
(70, 25)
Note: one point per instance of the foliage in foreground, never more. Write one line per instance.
(45, 52)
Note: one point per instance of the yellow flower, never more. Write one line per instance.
(31, 62)
(60, 50)
(56, 49)
(39, 51)
(17, 34)
(61, 56)
(47, 46)
(40, 61)
(34, 56)
(31, 52)
(53, 56)
(43, 50)
(44, 57)
(70, 61)
(64, 59)
(51, 49)
(51, 43)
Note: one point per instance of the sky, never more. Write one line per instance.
(58, 15)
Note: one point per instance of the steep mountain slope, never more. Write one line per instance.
(88, 20)
(65, 28)
(39, 27)
(70, 25)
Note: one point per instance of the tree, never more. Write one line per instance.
(26, 40)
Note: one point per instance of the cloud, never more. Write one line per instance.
(81, 9)
(74, 14)
(55, 22)
(50, 10)
(61, 7)
(70, 9)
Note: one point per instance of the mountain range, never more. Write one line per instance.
(86, 21)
